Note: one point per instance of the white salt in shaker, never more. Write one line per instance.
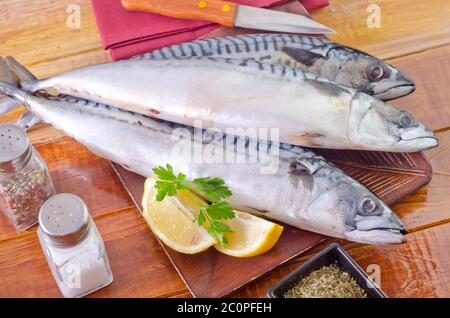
(73, 246)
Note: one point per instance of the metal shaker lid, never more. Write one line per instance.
(64, 219)
(14, 147)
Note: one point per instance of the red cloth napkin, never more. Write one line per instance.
(126, 33)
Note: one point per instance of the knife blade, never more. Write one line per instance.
(230, 14)
(271, 20)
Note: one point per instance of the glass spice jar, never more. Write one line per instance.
(73, 246)
(24, 179)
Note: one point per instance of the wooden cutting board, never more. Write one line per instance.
(390, 176)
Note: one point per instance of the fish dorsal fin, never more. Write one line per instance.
(305, 57)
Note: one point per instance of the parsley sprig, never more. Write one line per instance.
(212, 189)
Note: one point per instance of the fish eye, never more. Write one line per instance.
(406, 120)
(376, 73)
(368, 206)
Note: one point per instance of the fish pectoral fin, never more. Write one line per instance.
(304, 57)
(306, 139)
(299, 172)
(309, 135)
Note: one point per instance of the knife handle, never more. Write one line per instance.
(217, 11)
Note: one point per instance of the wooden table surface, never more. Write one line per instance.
(414, 35)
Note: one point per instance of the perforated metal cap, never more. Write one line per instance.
(64, 219)
(14, 147)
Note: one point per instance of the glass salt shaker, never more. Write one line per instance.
(24, 179)
(73, 246)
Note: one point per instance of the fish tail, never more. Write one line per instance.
(9, 88)
(22, 75)
(20, 71)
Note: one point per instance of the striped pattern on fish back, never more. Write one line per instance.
(155, 125)
(245, 65)
(241, 45)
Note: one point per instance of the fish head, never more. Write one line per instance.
(377, 125)
(348, 210)
(371, 75)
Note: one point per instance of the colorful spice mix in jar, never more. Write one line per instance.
(24, 179)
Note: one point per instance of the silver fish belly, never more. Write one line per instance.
(304, 191)
(228, 93)
(342, 64)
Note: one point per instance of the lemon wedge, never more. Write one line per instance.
(252, 236)
(171, 220)
(173, 223)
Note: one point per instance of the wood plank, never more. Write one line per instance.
(430, 70)
(418, 215)
(140, 267)
(41, 27)
(440, 156)
(406, 27)
(56, 154)
(419, 268)
(75, 169)
(53, 54)
(428, 206)
(211, 274)
(421, 210)
(35, 32)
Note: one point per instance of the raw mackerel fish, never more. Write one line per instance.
(336, 62)
(281, 182)
(234, 94)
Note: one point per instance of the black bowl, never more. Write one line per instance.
(333, 254)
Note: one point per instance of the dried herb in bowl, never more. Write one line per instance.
(326, 282)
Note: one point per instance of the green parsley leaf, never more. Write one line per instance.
(220, 211)
(201, 218)
(168, 182)
(213, 189)
(165, 173)
(222, 227)
(164, 188)
(217, 235)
